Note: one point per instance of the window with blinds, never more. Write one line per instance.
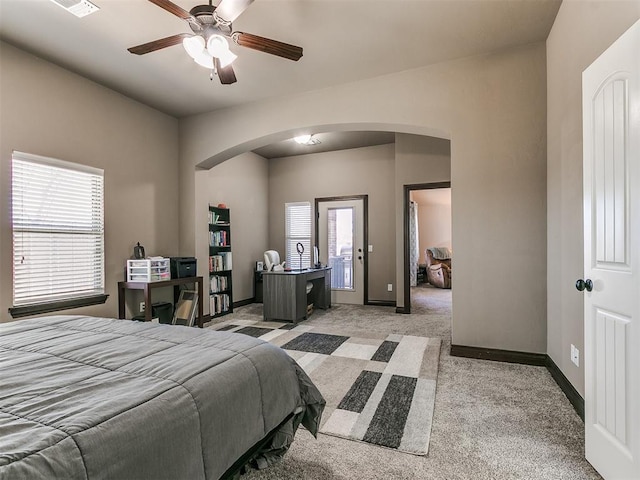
(298, 230)
(58, 230)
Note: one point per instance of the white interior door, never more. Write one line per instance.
(611, 136)
(340, 243)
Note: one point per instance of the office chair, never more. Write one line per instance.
(272, 261)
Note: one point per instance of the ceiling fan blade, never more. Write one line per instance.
(159, 44)
(227, 75)
(173, 8)
(267, 45)
(229, 10)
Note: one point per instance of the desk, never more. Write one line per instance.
(148, 286)
(285, 293)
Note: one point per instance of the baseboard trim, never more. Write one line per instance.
(243, 303)
(525, 358)
(571, 393)
(509, 356)
(382, 303)
(401, 310)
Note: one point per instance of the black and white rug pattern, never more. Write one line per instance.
(379, 390)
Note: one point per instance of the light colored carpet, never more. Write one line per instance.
(493, 421)
(379, 389)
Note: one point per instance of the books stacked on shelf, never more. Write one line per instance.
(215, 219)
(218, 303)
(218, 283)
(220, 262)
(218, 239)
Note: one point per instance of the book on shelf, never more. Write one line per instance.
(226, 260)
(218, 239)
(218, 303)
(214, 219)
(218, 283)
(220, 262)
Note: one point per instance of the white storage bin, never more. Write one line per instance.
(148, 270)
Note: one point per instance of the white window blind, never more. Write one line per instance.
(58, 230)
(298, 230)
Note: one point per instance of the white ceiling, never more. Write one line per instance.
(343, 41)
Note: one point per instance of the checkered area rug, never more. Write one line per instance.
(379, 390)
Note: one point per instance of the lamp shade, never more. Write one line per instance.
(193, 45)
(218, 47)
(227, 58)
(205, 60)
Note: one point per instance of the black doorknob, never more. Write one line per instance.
(582, 285)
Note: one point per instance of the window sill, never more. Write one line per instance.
(39, 308)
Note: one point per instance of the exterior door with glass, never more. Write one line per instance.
(341, 246)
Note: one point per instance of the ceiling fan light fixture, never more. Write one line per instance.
(208, 45)
(227, 59)
(194, 46)
(303, 139)
(217, 45)
(205, 60)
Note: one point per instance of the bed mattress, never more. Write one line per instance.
(92, 398)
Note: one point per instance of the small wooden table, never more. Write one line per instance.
(147, 287)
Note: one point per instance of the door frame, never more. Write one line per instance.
(405, 214)
(365, 232)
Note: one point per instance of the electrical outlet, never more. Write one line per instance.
(142, 304)
(389, 287)
(575, 355)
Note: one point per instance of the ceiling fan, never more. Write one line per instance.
(208, 44)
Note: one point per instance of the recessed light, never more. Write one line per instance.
(306, 140)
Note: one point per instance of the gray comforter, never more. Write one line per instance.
(97, 398)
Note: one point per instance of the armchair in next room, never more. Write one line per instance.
(438, 261)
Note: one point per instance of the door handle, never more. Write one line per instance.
(584, 285)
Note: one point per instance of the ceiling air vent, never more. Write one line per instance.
(80, 8)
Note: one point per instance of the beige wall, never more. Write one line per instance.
(358, 171)
(493, 109)
(46, 110)
(242, 184)
(418, 160)
(581, 32)
(434, 220)
(246, 182)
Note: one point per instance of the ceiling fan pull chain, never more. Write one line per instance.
(214, 71)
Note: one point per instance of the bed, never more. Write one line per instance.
(97, 398)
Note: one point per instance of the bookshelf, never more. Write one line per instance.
(220, 262)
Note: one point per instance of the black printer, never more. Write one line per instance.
(183, 267)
